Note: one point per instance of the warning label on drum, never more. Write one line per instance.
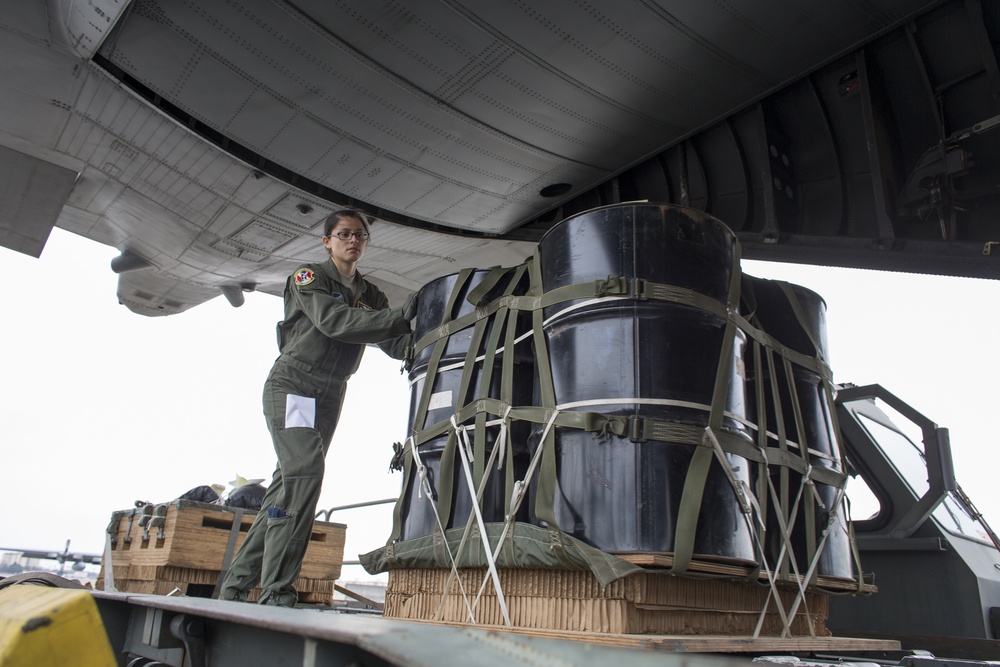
(442, 399)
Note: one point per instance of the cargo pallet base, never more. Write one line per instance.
(649, 609)
(658, 561)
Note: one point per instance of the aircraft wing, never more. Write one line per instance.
(208, 141)
(61, 556)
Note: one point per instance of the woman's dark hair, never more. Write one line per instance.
(337, 216)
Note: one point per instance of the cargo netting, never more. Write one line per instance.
(710, 393)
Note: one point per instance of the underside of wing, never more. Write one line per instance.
(208, 143)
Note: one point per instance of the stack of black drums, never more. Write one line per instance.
(650, 359)
(638, 360)
(796, 318)
(417, 514)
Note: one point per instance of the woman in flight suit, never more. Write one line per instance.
(331, 313)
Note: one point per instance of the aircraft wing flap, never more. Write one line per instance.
(33, 193)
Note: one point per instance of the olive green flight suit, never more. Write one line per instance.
(321, 341)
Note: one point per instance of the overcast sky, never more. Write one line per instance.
(101, 407)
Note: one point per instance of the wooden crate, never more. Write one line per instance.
(649, 603)
(195, 536)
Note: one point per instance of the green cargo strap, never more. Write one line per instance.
(780, 566)
(697, 473)
(638, 429)
(800, 315)
(838, 453)
(841, 485)
(491, 280)
(438, 352)
(802, 438)
(641, 430)
(488, 405)
(762, 466)
(432, 365)
(492, 345)
(810, 576)
(643, 289)
(397, 510)
(492, 574)
(479, 434)
(478, 409)
(510, 335)
(546, 489)
(421, 412)
(507, 393)
(635, 428)
(804, 502)
(446, 474)
(744, 321)
(611, 286)
(854, 551)
(445, 482)
(585, 421)
(811, 363)
(748, 296)
(470, 536)
(779, 453)
(740, 489)
(809, 508)
(539, 460)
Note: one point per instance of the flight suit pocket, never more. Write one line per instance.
(300, 411)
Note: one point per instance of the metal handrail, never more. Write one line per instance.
(324, 515)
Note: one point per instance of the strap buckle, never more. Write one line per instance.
(639, 289)
(635, 429)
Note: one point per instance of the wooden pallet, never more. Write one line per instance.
(660, 560)
(640, 604)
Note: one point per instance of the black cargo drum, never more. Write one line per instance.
(652, 359)
(417, 516)
(770, 304)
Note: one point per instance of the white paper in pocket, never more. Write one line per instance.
(300, 411)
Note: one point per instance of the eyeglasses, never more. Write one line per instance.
(346, 236)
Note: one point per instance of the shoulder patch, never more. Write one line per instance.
(304, 277)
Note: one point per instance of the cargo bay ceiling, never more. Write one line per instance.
(207, 141)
